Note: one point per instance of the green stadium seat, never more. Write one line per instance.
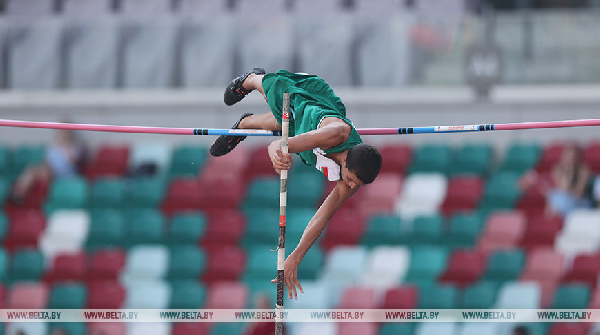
(431, 158)
(434, 296)
(109, 193)
(473, 159)
(69, 328)
(463, 230)
(312, 263)
(187, 228)
(26, 265)
(147, 192)
(228, 328)
(261, 263)
(426, 230)
(263, 288)
(71, 295)
(144, 226)
(297, 220)
(107, 229)
(501, 192)
(3, 226)
(481, 295)
(5, 165)
(187, 294)
(187, 160)
(504, 266)
(263, 192)
(4, 265)
(26, 155)
(67, 193)
(571, 296)
(397, 329)
(383, 229)
(186, 262)
(305, 189)
(426, 264)
(520, 157)
(5, 187)
(262, 226)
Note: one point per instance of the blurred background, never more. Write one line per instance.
(478, 220)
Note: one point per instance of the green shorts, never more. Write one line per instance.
(311, 100)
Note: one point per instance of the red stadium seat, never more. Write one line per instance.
(345, 228)
(2, 297)
(66, 267)
(225, 226)
(225, 263)
(464, 268)
(25, 228)
(105, 295)
(591, 156)
(541, 230)
(585, 269)
(464, 193)
(109, 160)
(107, 328)
(533, 201)
(396, 158)
(544, 266)
(227, 166)
(227, 295)
(550, 156)
(227, 192)
(191, 328)
(260, 164)
(503, 230)
(595, 299)
(34, 198)
(357, 328)
(403, 297)
(183, 194)
(28, 296)
(358, 298)
(380, 196)
(570, 328)
(105, 265)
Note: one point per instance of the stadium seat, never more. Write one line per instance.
(383, 229)
(67, 193)
(435, 296)
(26, 265)
(549, 156)
(344, 263)
(107, 229)
(464, 229)
(380, 196)
(260, 164)
(315, 296)
(5, 187)
(357, 297)
(66, 232)
(187, 228)
(345, 228)
(25, 228)
(151, 294)
(227, 295)
(183, 194)
(571, 296)
(584, 269)
(464, 194)
(155, 156)
(66, 267)
(27, 155)
(112, 328)
(397, 329)
(225, 226)
(520, 295)
(312, 263)
(504, 266)
(188, 294)
(4, 267)
(261, 263)
(401, 297)
(225, 263)
(422, 194)
(324, 328)
(146, 262)
(296, 222)
(71, 328)
(108, 193)
(591, 156)
(187, 160)
(426, 230)
(28, 296)
(92, 48)
(541, 231)
(105, 295)
(532, 201)
(225, 192)
(426, 264)
(433, 328)
(86, 9)
(152, 8)
(30, 8)
(476, 328)
(5, 161)
(143, 328)
(186, 262)
(396, 158)
(191, 328)
(431, 158)
(385, 266)
(464, 267)
(503, 230)
(543, 264)
(501, 192)
(520, 157)
(472, 159)
(71, 295)
(360, 328)
(304, 190)
(108, 161)
(147, 192)
(26, 327)
(480, 295)
(579, 233)
(105, 265)
(568, 328)
(144, 226)
(262, 192)
(258, 229)
(149, 54)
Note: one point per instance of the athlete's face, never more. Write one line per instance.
(350, 178)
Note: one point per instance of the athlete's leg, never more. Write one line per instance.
(261, 121)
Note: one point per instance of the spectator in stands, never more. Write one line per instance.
(320, 134)
(565, 189)
(64, 158)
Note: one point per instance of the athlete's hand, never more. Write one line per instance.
(290, 277)
(280, 161)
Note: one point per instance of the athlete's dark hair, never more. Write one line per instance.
(365, 161)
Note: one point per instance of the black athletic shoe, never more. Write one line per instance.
(234, 91)
(225, 143)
